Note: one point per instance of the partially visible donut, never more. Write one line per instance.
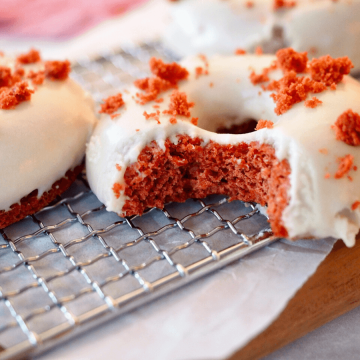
(320, 27)
(45, 121)
(157, 142)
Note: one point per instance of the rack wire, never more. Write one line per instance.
(73, 265)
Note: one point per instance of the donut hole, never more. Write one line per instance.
(247, 126)
(192, 169)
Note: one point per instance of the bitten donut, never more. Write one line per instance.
(157, 142)
(320, 27)
(45, 121)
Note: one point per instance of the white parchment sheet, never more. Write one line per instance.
(211, 318)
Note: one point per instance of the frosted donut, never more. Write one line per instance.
(159, 143)
(45, 121)
(320, 27)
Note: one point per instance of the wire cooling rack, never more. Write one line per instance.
(73, 265)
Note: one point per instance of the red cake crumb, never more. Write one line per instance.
(211, 84)
(154, 116)
(159, 100)
(156, 106)
(57, 70)
(347, 128)
(264, 124)
(173, 120)
(333, 86)
(355, 205)
(313, 103)
(118, 167)
(37, 78)
(10, 97)
(329, 70)
(194, 121)
(114, 116)
(258, 78)
(249, 4)
(189, 169)
(323, 151)
(31, 57)
(259, 50)
(327, 176)
(292, 89)
(240, 52)
(117, 189)
(31, 203)
(6, 78)
(152, 87)
(172, 73)
(112, 104)
(278, 4)
(345, 165)
(179, 104)
(289, 59)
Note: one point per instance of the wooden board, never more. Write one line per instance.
(333, 290)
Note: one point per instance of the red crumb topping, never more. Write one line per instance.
(323, 151)
(118, 167)
(345, 165)
(6, 78)
(156, 106)
(172, 73)
(355, 205)
(173, 120)
(31, 57)
(202, 70)
(159, 100)
(36, 77)
(194, 121)
(154, 116)
(211, 84)
(347, 128)
(333, 86)
(240, 52)
(264, 124)
(111, 104)
(327, 176)
(10, 97)
(313, 103)
(291, 90)
(117, 188)
(278, 4)
(114, 116)
(258, 78)
(31, 203)
(179, 104)
(57, 70)
(249, 4)
(289, 59)
(329, 70)
(190, 169)
(259, 50)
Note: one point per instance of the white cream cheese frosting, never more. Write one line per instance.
(320, 27)
(318, 207)
(41, 139)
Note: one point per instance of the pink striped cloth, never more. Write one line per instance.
(57, 19)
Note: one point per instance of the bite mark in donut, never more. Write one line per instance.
(250, 172)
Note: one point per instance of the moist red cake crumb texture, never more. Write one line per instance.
(248, 172)
(31, 203)
(179, 104)
(166, 76)
(347, 128)
(264, 124)
(57, 70)
(111, 104)
(289, 59)
(345, 165)
(313, 103)
(31, 57)
(278, 4)
(240, 52)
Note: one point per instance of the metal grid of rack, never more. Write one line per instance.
(73, 265)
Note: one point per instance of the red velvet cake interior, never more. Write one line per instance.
(247, 172)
